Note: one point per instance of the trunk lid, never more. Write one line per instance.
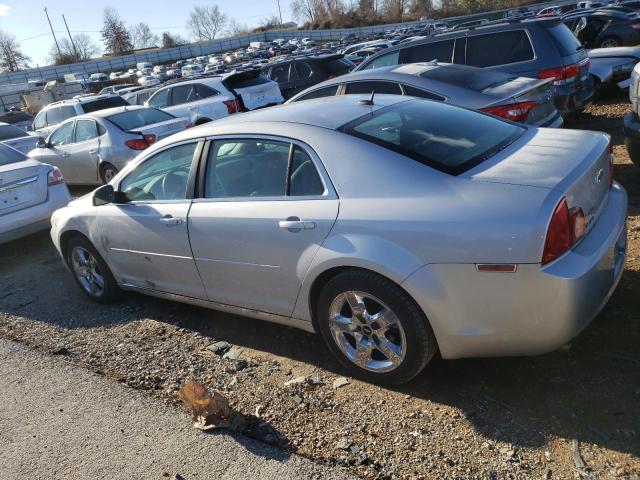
(520, 90)
(254, 89)
(162, 129)
(573, 161)
(22, 185)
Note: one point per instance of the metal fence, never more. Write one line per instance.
(167, 55)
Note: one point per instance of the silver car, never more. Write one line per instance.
(92, 148)
(395, 228)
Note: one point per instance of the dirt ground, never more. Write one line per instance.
(569, 414)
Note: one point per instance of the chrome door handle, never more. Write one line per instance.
(170, 221)
(295, 224)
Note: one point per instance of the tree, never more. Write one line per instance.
(205, 23)
(81, 50)
(11, 57)
(394, 10)
(236, 28)
(115, 36)
(143, 37)
(306, 10)
(170, 41)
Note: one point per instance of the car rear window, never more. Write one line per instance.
(447, 138)
(565, 40)
(500, 48)
(9, 155)
(473, 79)
(103, 103)
(9, 131)
(133, 119)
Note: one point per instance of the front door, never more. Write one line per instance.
(146, 237)
(266, 210)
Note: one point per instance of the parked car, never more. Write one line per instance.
(149, 81)
(612, 67)
(17, 138)
(99, 77)
(92, 148)
(191, 70)
(395, 228)
(509, 47)
(17, 118)
(211, 98)
(296, 74)
(54, 113)
(605, 29)
(519, 99)
(116, 88)
(30, 192)
(556, 10)
(632, 119)
(361, 55)
(139, 97)
(374, 43)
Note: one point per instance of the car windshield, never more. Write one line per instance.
(9, 155)
(447, 138)
(132, 119)
(8, 132)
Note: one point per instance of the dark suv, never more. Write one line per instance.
(605, 28)
(537, 48)
(298, 73)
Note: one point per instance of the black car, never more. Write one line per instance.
(536, 48)
(605, 28)
(295, 74)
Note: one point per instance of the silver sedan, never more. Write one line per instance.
(92, 148)
(394, 227)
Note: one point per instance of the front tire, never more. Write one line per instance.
(107, 172)
(374, 328)
(90, 271)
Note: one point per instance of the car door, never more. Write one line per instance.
(57, 151)
(265, 207)
(82, 154)
(145, 236)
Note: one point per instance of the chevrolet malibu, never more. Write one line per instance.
(395, 227)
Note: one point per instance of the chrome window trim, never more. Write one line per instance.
(329, 190)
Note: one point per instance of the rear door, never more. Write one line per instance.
(266, 206)
(84, 152)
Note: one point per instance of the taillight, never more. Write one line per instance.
(137, 144)
(517, 112)
(55, 177)
(189, 125)
(150, 138)
(561, 75)
(565, 229)
(232, 106)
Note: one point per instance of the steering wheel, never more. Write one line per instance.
(174, 185)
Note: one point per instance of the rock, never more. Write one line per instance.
(297, 399)
(60, 351)
(234, 353)
(236, 366)
(295, 381)
(315, 379)
(547, 456)
(340, 382)
(219, 348)
(344, 444)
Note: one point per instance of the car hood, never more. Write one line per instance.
(615, 52)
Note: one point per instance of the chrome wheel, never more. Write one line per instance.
(108, 173)
(87, 271)
(367, 332)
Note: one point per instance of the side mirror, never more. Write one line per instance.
(103, 195)
(42, 143)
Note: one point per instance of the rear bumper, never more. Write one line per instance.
(573, 98)
(532, 311)
(33, 219)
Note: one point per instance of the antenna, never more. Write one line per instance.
(368, 102)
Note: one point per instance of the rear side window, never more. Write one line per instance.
(304, 179)
(444, 137)
(387, 60)
(377, 87)
(9, 155)
(133, 119)
(416, 92)
(280, 73)
(337, 67)
(499, 49)
(320, 93)
(67, 112)
(304, 70)
(440, 51)
(102, 103)
(564, 39)
(53, 116)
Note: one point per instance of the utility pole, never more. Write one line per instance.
(280, 11)
(52, 33)
(71, 38)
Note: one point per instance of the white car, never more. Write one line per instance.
(30, 191)
(114, 75)
(191, 70)
(149, 81)
(308, 42)
(211, 98)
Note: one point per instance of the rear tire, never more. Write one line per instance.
(107, 172)
(610, 42)
(633, 149)
(90, 271)
(374, 328)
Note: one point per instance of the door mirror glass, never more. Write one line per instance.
(42, 143)
(103, 195)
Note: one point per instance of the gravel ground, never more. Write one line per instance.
(572, 413)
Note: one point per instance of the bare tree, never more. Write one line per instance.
(143, 37)
(81, 50)
(11, 57)
(395, 10)
(205, 23)
(170, 41)
(306, 10)
(115, 35)
(236, 28)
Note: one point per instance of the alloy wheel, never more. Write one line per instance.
(87, 271)
(367, 332)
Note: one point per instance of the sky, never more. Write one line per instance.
(26, 20)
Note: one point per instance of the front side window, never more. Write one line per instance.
(63, 135)
(160, 99)
(387, 60)
(40, 121)
(373, 86)
(499, 49)
(86, 130)
(447, 138)
(164, 176)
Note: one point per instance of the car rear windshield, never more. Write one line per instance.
(564, 38)
(141, 117)
(476, 79)
(447, 138)
(9, 131)
(102, 103)
(9, 155)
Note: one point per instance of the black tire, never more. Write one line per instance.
(107, 172)
(633, 149)
(110, 292)
(421, 344)
(613, 42)
(202, 121)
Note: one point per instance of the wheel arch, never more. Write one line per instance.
(66, 237)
